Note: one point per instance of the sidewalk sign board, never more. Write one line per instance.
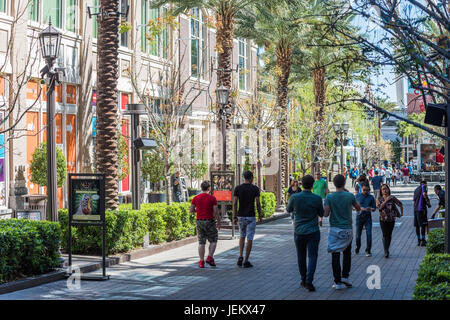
(222, 187)
(87, 208)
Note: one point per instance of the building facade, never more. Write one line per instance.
(23, 96)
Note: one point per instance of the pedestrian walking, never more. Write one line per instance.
(376, 183)
(364, 218)
(421, 202)
(360, 182)
(306, 210)
(388, 176)
(320, 186)
(405, 173)
(398, 175)
(354, 174)
(205, 205)
(294, 188)
(441, 196)
(387, 205)
(176, 188)
(338, 206)
(371, 173)
(245, 195)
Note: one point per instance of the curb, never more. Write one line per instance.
(60, 273)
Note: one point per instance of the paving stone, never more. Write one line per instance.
(174, 274)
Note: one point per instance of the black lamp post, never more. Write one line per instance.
(223, 94)
(50, 41)
(341, 130)
(138, 143)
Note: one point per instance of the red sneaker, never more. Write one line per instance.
(210, 261)
(201, 264)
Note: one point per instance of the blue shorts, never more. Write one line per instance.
(247, 226)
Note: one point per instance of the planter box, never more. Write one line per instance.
(156, 197)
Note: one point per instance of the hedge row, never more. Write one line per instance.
(433, 279)
(28, 248)
(126, 228)
(436, 239)
(268, 204)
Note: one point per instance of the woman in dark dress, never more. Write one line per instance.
(388, 212)
(294, 188)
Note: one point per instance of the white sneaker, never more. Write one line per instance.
(339, 286)
(368, 254)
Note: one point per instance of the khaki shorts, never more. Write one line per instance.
(207, 230)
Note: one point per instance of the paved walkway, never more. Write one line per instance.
(174, 274)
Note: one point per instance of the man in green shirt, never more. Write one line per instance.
(338, 206)
(320, 186)
(306, 211)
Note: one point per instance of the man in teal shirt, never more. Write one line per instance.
(320, 186)
(306, 211)
(338, 206)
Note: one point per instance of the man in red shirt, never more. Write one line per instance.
(405, 172)
(206, 207)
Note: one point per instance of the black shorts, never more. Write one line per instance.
(420, 218)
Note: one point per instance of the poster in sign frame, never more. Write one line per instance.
(87, 207)
(222, 186)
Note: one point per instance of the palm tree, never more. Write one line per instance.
(325, 58)
(274, 25)
(225, 12)
(107, 75)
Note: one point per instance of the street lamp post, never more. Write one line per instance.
(341, 130)
(50, 41)
(138, 143)
(223, 94)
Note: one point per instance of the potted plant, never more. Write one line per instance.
(38, 168)
(122, 161)
(195, 172)
(153, 170)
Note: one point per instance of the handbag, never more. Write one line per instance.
(395, 209)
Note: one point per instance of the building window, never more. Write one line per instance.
(2, 5)
(70, 16)
(124, 36)
(96, 5)
(198, 44)
(243, 64)
(159, 46)
(51, 9)
(33, 10)
(62, 13)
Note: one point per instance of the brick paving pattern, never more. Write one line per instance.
(174, 274)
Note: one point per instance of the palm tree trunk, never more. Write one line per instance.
(284, 67)
(224, 40)
(107, 76)
(320, 89)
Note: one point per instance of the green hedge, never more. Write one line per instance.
(126, 228)
(268, 204)
(436, 241)
(28, 248)
(433, 281)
